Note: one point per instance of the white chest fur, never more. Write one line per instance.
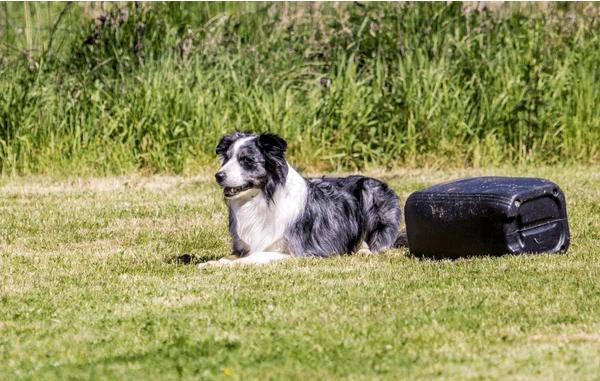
(261, 225)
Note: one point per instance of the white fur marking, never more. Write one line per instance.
(233, 169)
(261, 225)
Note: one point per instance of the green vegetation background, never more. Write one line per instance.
(94, 88)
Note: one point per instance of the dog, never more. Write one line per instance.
(275, 213)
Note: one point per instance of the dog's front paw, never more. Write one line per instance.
(205, 265)
(218, 263)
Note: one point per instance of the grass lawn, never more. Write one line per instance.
(88, 291)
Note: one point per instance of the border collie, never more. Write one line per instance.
(275, 213)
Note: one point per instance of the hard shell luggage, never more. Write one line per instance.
(487, 216)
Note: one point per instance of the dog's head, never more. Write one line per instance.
(251, 163)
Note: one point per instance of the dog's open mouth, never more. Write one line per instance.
(230, 192)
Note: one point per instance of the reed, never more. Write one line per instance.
(152, 87)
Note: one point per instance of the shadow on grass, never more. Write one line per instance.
(188, 259)
(181, 354)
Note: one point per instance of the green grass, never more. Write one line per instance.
(88, 291)
(88, 286)
(350, 85)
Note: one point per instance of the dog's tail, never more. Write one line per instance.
(402, 240)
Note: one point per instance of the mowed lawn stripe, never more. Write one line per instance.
(89, 290)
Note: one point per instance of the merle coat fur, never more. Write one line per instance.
(274, 209)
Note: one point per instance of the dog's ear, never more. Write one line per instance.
(226, 142)
(272, 144)
(273, 148)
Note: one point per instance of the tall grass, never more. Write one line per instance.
(153, 86)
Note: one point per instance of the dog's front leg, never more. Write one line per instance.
(219, 262)
(261, 258)
(257, 258)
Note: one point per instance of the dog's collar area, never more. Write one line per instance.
(233, 191)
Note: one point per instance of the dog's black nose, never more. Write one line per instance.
(220, 176)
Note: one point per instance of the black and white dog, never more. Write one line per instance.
(275, 213)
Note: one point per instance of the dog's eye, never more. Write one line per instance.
(246, 160)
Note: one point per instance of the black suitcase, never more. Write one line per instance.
(487, 216)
